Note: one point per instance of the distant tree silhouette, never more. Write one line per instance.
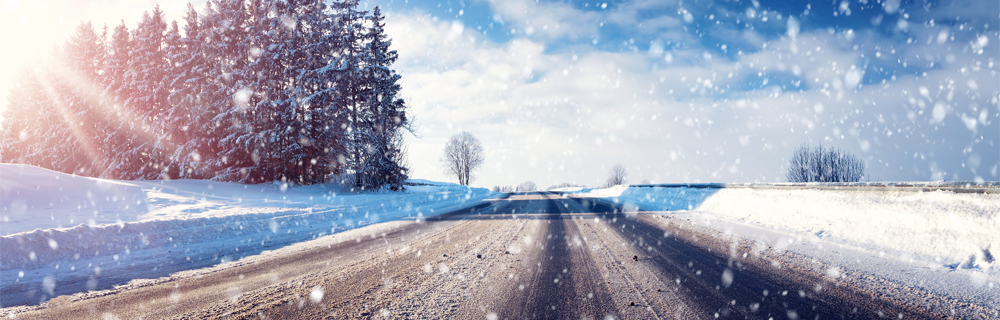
(824, 165)
(527, 186)
(618, 176)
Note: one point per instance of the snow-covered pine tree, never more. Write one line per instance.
(78, 70)
(314, 78)
(383, 114)
(166, 143)
(116, 91)
(26, 120)
(349, 31)
(277, 117)
(246, 148)
(145, 105)
(230, 94)
(188, 119)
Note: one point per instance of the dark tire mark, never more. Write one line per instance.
(756, 290)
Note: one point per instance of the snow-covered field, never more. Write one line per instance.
(942, 241)
(59, 232)
(957, 230)
(58, 229)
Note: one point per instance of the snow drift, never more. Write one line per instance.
(957, 230)
(72, 229)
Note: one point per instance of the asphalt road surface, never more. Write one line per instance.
(530, 256)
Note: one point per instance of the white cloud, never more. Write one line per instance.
(550, 118)
(547, 19)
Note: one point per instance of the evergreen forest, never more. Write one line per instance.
(246, 91)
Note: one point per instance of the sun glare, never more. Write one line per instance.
(35, 28)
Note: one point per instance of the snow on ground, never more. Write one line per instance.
(959, 230)
(942, 241)
(63, 229)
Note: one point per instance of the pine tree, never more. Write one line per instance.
(230, 95)
(383, 114)
(25, 120)
(146, 104)
(317, 127)
(78, 74)
(270, 117)
(348, 26)
(117, 90)
(188, 119)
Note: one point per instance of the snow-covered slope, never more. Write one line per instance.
(32, 198)
(63, 229)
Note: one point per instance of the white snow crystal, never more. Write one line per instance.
(865, 145)
(316, 296)
(49, 284)
(890, 6)
(942, 36)
(853, 78)
(902, 24)
(456, 30)
(656, 48)
(727, 277)
(940, 111)
(793, 27)
(970, 122)
(833, 272)
(241, 99)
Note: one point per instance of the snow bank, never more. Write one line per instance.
(957, 230)
(69, 228)
(652, 199)
(32, 198)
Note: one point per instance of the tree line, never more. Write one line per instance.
(245, 91)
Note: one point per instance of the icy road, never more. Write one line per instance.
(536, 255)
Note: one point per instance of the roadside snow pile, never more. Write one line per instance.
(957, 230)
(32, 197)
(70, 229)
(652, 199)
(572, 189)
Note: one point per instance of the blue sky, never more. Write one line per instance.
(702, 91)
(689, 91)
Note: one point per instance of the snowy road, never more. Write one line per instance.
(536, 255)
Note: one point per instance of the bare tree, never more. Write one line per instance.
(824, 165)
(462, 155)
(505, 189)
(618, 175)
(563, 185)
(527, 186)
